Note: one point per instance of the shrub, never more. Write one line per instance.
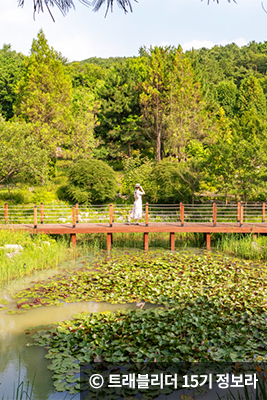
(91, 182)
(167, 184)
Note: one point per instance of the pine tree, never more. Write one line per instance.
(251, 95)
(154, 99)
(44, 96)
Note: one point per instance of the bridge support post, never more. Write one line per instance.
(42, 213)
(146, 214)
(35, 216)
(109, 241)
(255, 236)
(77, 212)
(111, 218)
(73, 217)
(172, 241)
(73, 240)
(208, 240)
(214, 214)
(6, 213)
(146, 241)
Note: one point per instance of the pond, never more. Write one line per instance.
(20, 362)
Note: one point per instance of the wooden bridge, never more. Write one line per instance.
(111, 219)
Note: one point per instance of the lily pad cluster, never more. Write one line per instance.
(168, 278)
(213, 309)
(199, 332)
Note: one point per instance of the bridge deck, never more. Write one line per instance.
(205, 227)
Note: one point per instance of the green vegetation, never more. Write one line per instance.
(39, 252)
(91, 182)
(243, 246)
(202, 111)
(209, 312)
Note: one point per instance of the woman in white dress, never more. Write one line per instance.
(137, 207)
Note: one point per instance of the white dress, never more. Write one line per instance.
(137, 207)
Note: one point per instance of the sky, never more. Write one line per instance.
(82, 33)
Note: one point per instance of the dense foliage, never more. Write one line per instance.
(203, 110)
(91, 182)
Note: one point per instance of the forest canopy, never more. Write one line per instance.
(195, 120)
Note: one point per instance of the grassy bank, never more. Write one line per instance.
(242, 246)
(37, 253)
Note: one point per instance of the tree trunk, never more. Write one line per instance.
(159, 146)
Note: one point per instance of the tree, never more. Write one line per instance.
(119, 115)
(186, 117)
(81, 139)
(227, 95)
(251, 95)
(11, 66)
(237, 161)
(21, 159)
(166, 183)
(44, 96)
(86, 75)
(172, 109)
(91, 182)
(154, 98)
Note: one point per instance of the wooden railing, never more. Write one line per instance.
(116, 213)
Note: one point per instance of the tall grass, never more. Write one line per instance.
(243, 246)
(39, 252)
(136, 240)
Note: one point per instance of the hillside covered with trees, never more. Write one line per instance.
(189, 126)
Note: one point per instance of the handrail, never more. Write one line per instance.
(118, 213)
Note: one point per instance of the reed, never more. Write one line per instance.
(242, 246)
(135, 240)
(39, 252)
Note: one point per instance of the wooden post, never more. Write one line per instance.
(182, 214)
(241, 215)
(77, 212)
(109, 241)
(172, 241)
(208, 240)
(110, 214)
(255, 236)
(35, 216)
(73, 217)
(263, 212)
(73, 239)
(42, 213)
(146, 241)
(146, 214)
(238, 211)
(214, 214)
(6, 213)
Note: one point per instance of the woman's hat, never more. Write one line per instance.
(137, 185)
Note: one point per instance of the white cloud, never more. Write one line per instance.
(198, 44)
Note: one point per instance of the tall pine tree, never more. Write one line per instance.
(44, 96)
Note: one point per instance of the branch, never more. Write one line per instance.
(229, 1)
(65, 5)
